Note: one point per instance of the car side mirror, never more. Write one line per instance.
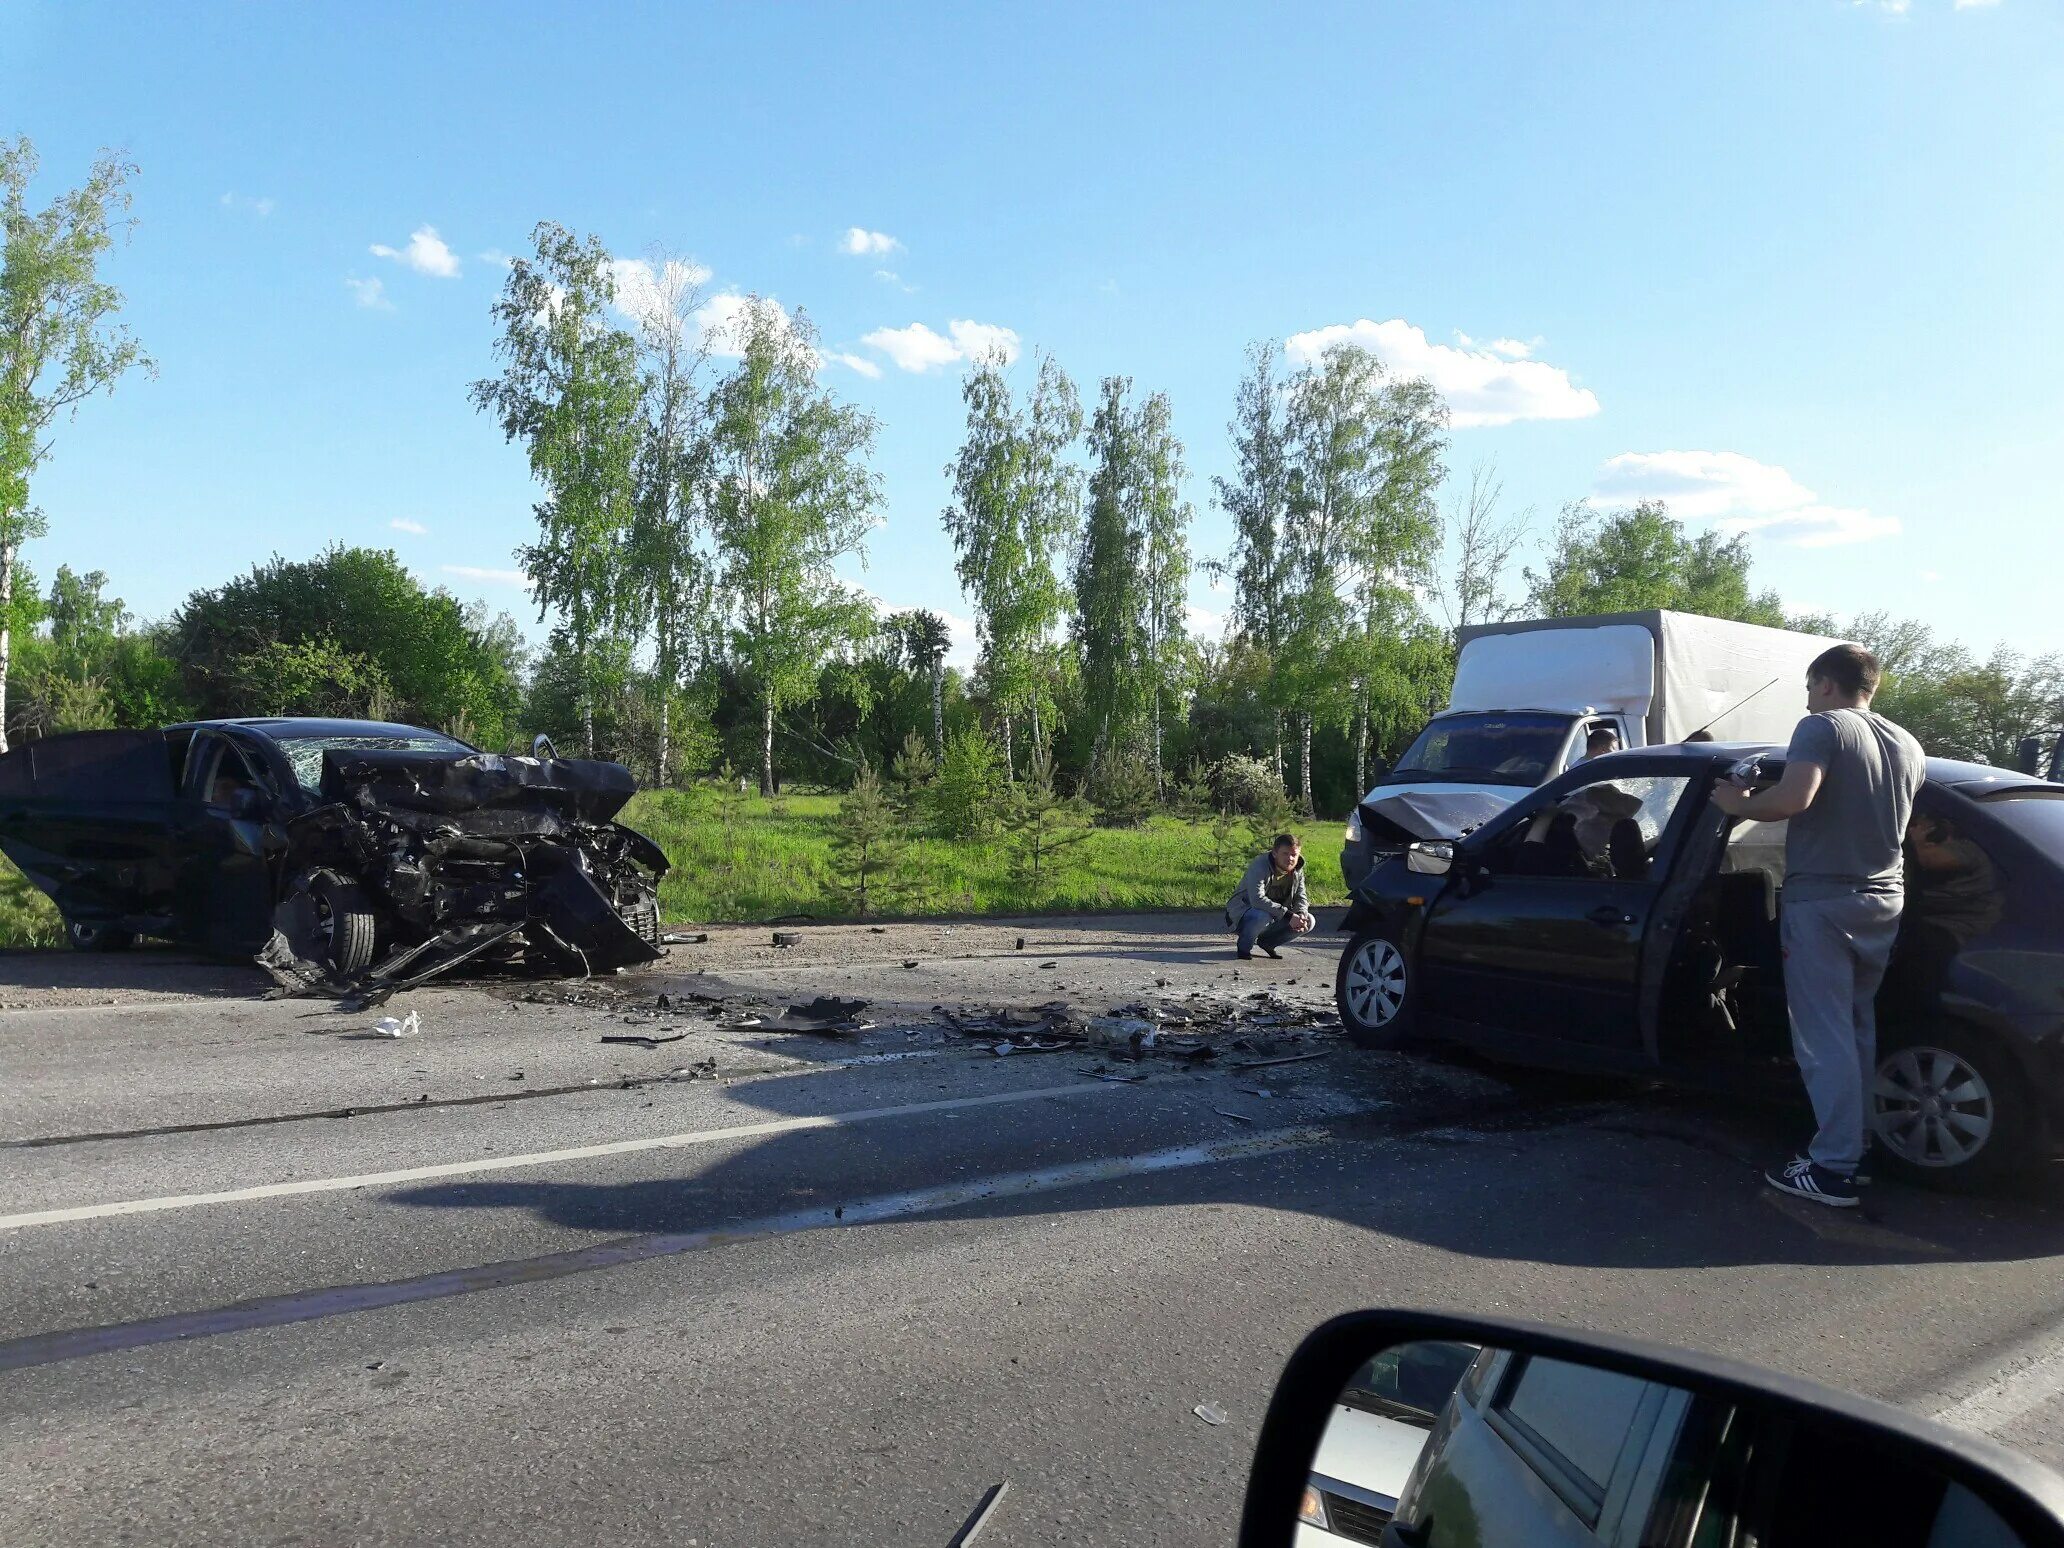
(1430, 858)
(1419, 1429)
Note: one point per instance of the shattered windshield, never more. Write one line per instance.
(1497, 748)
(305, 753)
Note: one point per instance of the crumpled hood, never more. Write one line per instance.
(580, 789)
(1441, 811)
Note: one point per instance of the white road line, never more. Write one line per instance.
(340, 1300)
(41, 1217)
(2036, 1379)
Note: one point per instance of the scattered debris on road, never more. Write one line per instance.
(1210, 1413)
(827, 1015)
(398, 1026)
(1227, 1112)
(788, 937)
(1262, 1064)
(643, 1039)
(685, 938)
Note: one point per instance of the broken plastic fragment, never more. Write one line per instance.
(398, 1026)
(1210, 1413)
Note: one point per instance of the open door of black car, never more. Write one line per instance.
(87, 816)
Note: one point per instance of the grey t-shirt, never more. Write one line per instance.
(1848, 839)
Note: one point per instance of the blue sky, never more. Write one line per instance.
(1795, 263)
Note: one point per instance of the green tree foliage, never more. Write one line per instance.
(1124, 788)
(570, 391)
(90, 668)
(59, 343)
(793, 492)
(964, 795)
(308, 677)
(1632, 560)
(924, 639)
(437, 659)
(867, 843)
(1040, 828)
(915, 766)
(1956, 704)
(1017, 505)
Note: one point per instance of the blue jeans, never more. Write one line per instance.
(1258, 927)
(1835, 951)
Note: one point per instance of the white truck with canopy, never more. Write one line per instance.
(1528, 696)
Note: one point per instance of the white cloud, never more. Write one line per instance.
(1737, 494)
(862, 243)
(1931, 576)
(259, 207)
(1511, 349)
(425, 253)
(1203, 624)
(918, 348)
(640, 288)
(371, 293)
(1975, 5)
(490, 577)
(413, 528)
(891, 277)
(1482, 387)
(859, 363)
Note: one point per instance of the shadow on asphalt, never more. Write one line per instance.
(1520, 1166)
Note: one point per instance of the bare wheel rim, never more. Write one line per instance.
(1931, 1107)
(1375, 982)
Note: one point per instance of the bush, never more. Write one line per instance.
(964, 794)
(1246, 785)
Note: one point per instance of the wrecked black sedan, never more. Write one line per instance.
(1616, 919)
(340, 852)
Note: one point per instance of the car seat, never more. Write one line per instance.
(1627, 849)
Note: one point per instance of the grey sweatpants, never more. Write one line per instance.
(1835, 954)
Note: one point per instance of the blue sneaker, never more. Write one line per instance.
(1808, 1179)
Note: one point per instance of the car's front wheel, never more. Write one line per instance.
(92, 937)
(1375, 991)
(1949, 1107)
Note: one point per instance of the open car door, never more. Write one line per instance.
(88, 817)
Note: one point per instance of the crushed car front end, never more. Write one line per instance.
(457, 857)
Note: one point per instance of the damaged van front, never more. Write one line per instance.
(350, 856)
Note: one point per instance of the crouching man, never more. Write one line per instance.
(1269, 906)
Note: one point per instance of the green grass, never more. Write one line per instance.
(775, 858)
(769, 858)
(27, 918)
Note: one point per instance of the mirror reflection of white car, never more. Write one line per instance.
(1373, 1437)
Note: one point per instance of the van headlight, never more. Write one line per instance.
(1354, 827)
(1313, 1511)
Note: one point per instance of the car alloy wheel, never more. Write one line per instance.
(1932, 1108)
(1375, 982)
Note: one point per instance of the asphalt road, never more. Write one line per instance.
(534, 1291)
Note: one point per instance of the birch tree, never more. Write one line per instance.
(1109, 604)
(1016, 509)
(792, 492)
(570, 391)
(59, 342)
(670, 564)
(1257, 498)
(1161, 524)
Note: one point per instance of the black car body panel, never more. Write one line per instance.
(206, 833)
(1670, 963)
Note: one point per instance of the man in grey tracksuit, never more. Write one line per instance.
(1848, 789)
(1269, 906)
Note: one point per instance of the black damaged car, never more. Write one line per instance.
(1615, 919)
(354, 852)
